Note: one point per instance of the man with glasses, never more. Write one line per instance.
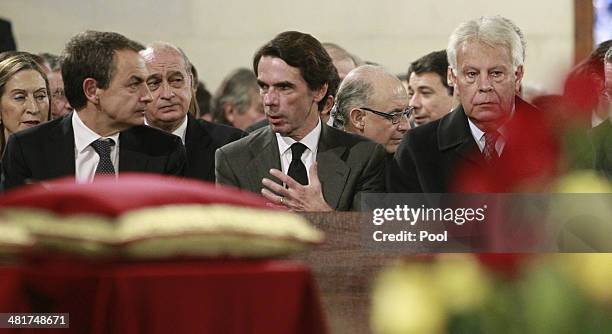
(603, 133)
(59, 104)
(486, 57)
(297, 161)
(373, 103)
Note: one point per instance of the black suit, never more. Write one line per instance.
(429, 155)
(7, 41)
(202, 139)
(602, 142)
(47, 151)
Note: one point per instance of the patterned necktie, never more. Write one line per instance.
(297, 170)
(490, 154)
(103, 147)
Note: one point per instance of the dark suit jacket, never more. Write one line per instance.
(7, 41)
(348, 165)
(602, 144)
(429, 155)
(202, 139)
(47, 151)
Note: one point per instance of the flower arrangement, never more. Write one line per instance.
(495, 293)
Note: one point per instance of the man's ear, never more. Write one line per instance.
(228, 112)
(90, 88)
(518, 77)
(329, 104)
(451, 78)
(356, 117)
(320, 93)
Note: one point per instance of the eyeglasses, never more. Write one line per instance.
(394, 117)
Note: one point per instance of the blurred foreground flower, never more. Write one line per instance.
(592, 273)
(557, 293)
(419, 297)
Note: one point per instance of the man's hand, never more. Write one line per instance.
(295, 197)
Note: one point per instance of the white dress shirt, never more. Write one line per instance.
(85, 157)
(179, 132)
(311, 141)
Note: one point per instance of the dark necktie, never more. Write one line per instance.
(489, 152)
(103, 147)
(297, 170)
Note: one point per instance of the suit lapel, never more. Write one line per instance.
(195, 137)
(333, 171)
(265, 155)
(197, 143)
(454, 134)
(129, 158)
(60, 149)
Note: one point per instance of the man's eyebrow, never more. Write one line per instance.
(276, 84)
(283, 84)
(173, 73)
(136, 78)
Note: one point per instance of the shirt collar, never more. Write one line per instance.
(311, 140)
(478, 134)
(181, 130)
(84, 136)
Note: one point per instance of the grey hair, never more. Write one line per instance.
(353, 92)
(237, 88)
(492, 31)
(160, 46)
(608, 56)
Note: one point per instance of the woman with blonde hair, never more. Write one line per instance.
(24, 94)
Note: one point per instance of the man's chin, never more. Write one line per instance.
(171, 116)
(281, 129)
(136, 120)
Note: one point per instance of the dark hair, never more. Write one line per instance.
(434, 62)
(11, 63)
(90, 54)
(303, 52)
(608, 56)
(585, 80)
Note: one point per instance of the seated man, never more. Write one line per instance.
(237, 101)
(373, 103)
(59, 104)
(293, 72)
(428, 89)
(486, 57)
(172, 88)
(104, 80)
(602, 133)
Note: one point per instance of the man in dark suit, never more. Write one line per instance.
(104, 79)
(486, 58)
(602, 134)
(172, 88)
(7, 41)
(293, 73)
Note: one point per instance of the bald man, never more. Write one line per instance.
(373, 103)
(173, 90)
